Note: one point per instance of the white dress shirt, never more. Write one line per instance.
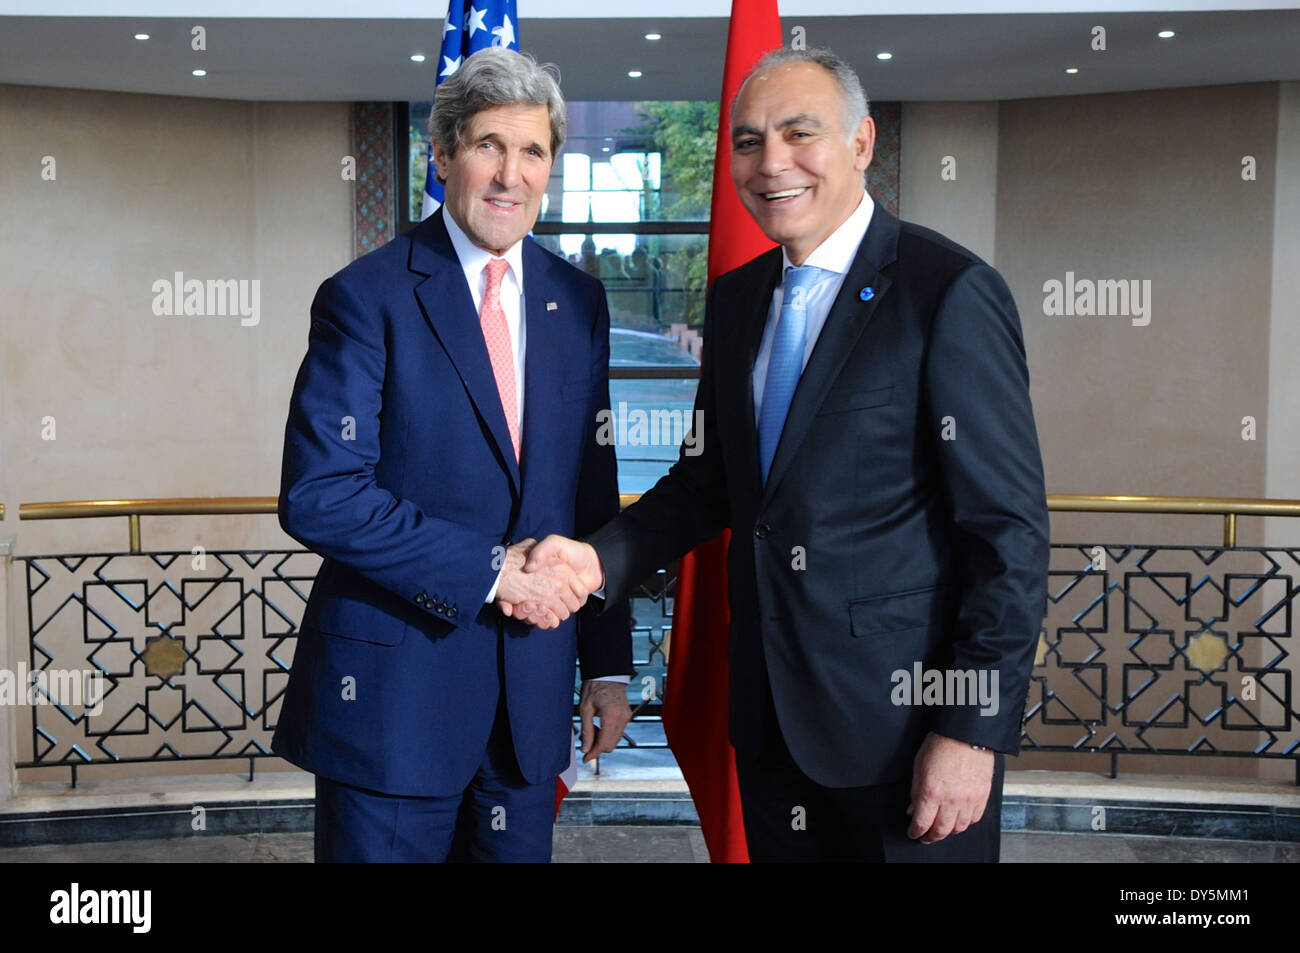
(835, 255)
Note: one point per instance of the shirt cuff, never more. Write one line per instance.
(492, 593)
(621, 679)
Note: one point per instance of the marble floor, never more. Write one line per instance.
(615, 844)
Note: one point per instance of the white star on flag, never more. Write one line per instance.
(448, 26)
(475, 21)
(505, 33)
(452, 65)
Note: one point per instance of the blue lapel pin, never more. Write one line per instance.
(867, 293)
(552, 306)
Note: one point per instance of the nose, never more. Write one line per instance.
(775, 157)
(508, 171)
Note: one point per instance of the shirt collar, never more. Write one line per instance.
(836, 253)
(474, 259)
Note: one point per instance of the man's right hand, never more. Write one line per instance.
(576, 562)
(581, 557)
(543, 597)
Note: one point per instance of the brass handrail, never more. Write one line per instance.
(1229, 507)
(1226, 506)
(134, 509)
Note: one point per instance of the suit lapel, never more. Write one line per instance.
(449, 308)
(543, 354)
(848, 318)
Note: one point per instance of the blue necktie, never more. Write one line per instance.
(786, 363)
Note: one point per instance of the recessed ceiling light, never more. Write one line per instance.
(604, 148)
(199, 72)
(142, 36)
(884, 56)
(634, 73)
(417, 57)
(1165, 34)
(1072, 70)
(654, 36)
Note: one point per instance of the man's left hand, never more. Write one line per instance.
(609, 701)
(951, 782)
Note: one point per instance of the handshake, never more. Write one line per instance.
(544, 583)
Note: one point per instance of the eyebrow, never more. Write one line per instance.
(493, 134)
(807, 119)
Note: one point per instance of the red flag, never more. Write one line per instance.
(568, 777)
(696, 696)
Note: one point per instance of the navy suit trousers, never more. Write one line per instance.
(498, 818)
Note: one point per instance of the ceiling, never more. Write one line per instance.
(935, 57)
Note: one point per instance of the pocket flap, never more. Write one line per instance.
(838, 403)
(897, 611)
(355, 619)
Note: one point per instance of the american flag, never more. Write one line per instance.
(471, 25)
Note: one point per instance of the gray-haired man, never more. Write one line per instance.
(869, 440)
(443, 418)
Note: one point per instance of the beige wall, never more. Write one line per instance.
(964, 205)
(1282, 479)
(1139, 185)
(1145, 186)
(147, 405)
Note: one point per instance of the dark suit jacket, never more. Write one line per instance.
(876, 542)
(399, 470)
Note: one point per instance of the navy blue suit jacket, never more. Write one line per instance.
(398, 469)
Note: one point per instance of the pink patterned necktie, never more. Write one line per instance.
(492, 317)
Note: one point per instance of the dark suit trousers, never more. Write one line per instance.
(499, 817)
(791, 818)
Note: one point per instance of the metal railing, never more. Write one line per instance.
(1229, 508)
(1145, 649)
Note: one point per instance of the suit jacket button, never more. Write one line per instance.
(419, 598)
(762, 530)
(451, 612)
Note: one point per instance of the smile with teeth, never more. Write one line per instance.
(785, 194)
(499, 203)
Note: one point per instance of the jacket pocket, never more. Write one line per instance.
(839, 403)
(354, 619)
(898, 611)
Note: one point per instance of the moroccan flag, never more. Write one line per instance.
(696, 695)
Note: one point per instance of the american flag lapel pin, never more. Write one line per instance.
(552, 306)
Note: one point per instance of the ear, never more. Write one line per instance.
(864, 143)
(441, 163)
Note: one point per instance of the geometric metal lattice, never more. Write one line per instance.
(193, 652)
(1145, 650)
(1167, 650)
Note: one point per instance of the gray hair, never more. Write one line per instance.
(495, 76)
(853, 99)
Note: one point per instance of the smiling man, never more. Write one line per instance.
(868, 438)
(443, 418)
